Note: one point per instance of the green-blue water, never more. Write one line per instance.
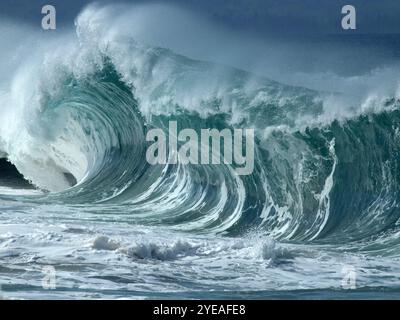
(321, 206)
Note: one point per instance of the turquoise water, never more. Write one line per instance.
(318, 217)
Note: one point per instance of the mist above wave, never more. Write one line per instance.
(75, 112)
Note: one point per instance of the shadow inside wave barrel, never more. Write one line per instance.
(11, 177)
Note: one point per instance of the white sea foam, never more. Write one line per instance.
(44, 151)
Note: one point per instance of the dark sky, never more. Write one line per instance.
(258, 16)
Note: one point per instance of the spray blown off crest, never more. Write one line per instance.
(123, 133)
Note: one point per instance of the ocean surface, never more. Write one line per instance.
(317, 219)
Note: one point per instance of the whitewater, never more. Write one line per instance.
(77, 194)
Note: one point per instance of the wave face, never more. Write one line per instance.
(74, 125)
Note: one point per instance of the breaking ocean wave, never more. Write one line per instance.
(77, 193)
